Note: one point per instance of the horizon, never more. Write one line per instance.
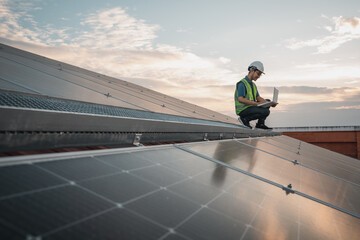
(195, 58)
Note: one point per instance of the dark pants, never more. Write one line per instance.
(253, 113)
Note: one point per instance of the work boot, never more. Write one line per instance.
(263, 126)
(244, 122)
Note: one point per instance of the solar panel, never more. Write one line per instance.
(229, 189)
(51, 85)
(325, 165)
(8, 85)
(309, 150)
(308, 180)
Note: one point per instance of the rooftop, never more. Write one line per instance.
(216, 180)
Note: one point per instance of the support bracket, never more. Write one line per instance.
(137, 139)
(288, 189)
(205, 137)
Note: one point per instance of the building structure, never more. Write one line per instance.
(341, 139)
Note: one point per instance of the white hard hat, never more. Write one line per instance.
(257, 65)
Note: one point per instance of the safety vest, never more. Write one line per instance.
(250, 95)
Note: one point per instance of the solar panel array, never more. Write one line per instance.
(24, 72)
(49, 104)
(257, 188)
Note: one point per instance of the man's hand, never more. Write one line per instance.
(260, 100)
(248, 102)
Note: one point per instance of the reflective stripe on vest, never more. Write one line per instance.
(249, 96)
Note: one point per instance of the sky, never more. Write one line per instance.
(197, 50)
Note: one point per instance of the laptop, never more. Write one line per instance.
(273, 102)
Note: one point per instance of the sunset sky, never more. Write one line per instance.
(197, 50)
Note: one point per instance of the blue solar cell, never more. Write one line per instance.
(23, 178)
(207, 224)
(125, 161)
(160, 175)
(44, 211)
(79, 168)
(7, 232)
(114, 224)
(196, 191)
(164, 207)
(120, 187)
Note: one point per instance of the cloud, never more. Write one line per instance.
(314, 114)
(114, 29)
(346, 107)
(112, 42)
(220, 98)
(181, 30)
(307, 90)
(315, 66)
(12, 29)
(317, 113)
(290, 96)
(224, 60)
(316, 90)
(343, 30)
(352, 82)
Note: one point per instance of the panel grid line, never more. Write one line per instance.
(111, 201)
(102, 197)
(323, 187)
(33, 191)
(205, 206)
(12, 227)
(78, 221)
(248, 226)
